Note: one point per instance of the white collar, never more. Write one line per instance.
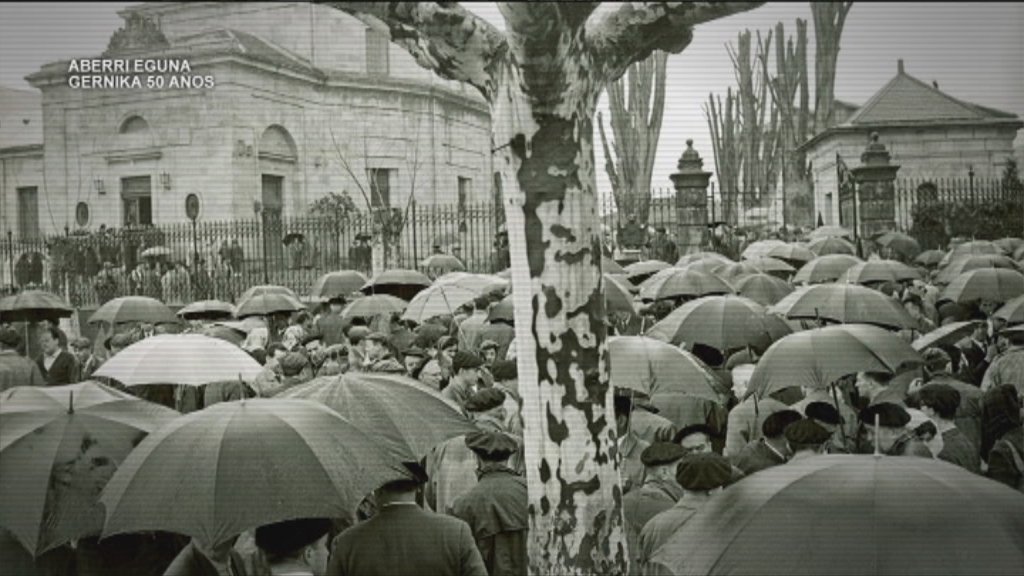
(54, 355)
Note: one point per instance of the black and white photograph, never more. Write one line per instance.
(511, 288)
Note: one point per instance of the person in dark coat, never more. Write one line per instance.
(771, 449)
(939, 369)
(1003, 436)
(663, 248)
(939, 402)
(805, 438)
(402, 538)
(657, 494)
(893, 437)
(58, 366)
(331, 325)
(495, 508)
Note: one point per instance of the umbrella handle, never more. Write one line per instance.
(877, 453)
(842, 427)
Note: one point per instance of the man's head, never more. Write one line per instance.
(356, 335)
(293, 363)
(375, 345)
(774, 426)
(939, 401)
(703, 473)
(695, 439)
(49, 340)
(892, 422)
(623, 411)
(660, 460)
(314, 345)
(466, 366)
(447, 345)
(336, 305)
(870, 384)
(806, 435)
(493, 448)
(412, 359)
(487, 404)
(825, 415)
(489, 351)
(913, 305)
(9, 339)
(82, 347)
(937, 361)
(505, 371)
(304, 540)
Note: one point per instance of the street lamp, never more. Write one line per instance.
(970, 177)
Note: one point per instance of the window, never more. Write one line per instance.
(137, 200)
(28, 212)
(377, 45)
(380, 187)
(465, 191)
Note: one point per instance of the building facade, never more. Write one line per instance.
(305, 101)
(930, 134)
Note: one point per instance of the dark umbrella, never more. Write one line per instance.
(900, 243)
(764, 289)
(375, 305)
(650, 366)
(637, 272)
(968, 262)
(1012, 312)
(32, 306)
(133, 309)
(945, 335)
(846, 304)
(843, 514)
(930, 257)
(401, 283)
(268, 303)
(825, 269)
(831, 245)
(676, 282)
(995, 284)
(337, 284)
(207, 310)
(721, 322)
(292, 237)
(771, 265)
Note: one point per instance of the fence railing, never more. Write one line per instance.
(914, 192)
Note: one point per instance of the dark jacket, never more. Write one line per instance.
(639, 506)
(495, 510)
(332, 328)
(757, 456)
(1006, 460)
(16, 370)
(63, 371)
(405, 539)
(957, 449)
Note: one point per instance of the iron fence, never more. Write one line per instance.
(913, 193)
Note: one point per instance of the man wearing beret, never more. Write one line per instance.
(939, 369)
(377, 356)
(940, 402)
(296, 547)
(828, 417)
(657, 494)
(465, 375)
(700, 476)
(495, 508)
(893, 437)
(805, 438)
(771, 449)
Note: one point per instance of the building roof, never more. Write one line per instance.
(21, 117)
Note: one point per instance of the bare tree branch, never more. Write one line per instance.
(630, 33)
(442, 36)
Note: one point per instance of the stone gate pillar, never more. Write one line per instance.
(876, 190)
(691, 184)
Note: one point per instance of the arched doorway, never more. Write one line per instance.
(277, 157)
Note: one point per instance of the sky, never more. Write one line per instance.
(975, 51)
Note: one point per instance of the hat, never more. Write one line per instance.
(356, 334)
(889, 415)
(493, 446)
(284, 539)
(936, 359)
(775, 424)
(414, 352)
(9, 337)
(293, 363)
(484, 400)
(463, 359)
(488, 345)
(692, 429)
(377, 337)
(823, 412)
(661, 453)
(942, 398)
(121, 340)
(703, 472)
(806, 432)
(505, 370)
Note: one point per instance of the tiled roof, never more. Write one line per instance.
(229, 41)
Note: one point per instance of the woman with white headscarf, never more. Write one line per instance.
(256, 344)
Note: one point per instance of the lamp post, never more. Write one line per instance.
(970, 179)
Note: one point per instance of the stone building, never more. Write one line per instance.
(305, 101)
(930, 134)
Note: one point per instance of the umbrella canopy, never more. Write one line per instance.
(817, 358)
(621, 278)
(683, 282)
(730, 272)
(843, 514)
(610, 266)
(267, 303)
(375, 305)
(437, 300)
(480, 283)
(248, 463)
(878, 271)
(503, 311)
(156, 252)
(831, 232)
(762, 288)
(945, 335)
(33, 305)
(1012, 312)
(721, 322)
(760, 248)
(187, 359)
(404, 415)
(444, 263)
(292, 237)
(133, 309)
(930, 258)
(1009, 245)
(637, 272)
(968, 262)
(401, 283)
(995, 284)
(797, 253)
(703, 257)
(846, 304)
(337, 284)
(972, 248)
(651, 367)
(207, 309)
(825, 269)
(831, 245)
(261, 289)
(225, 333)
(900, 243)
(707, 266)
(617, 295)
(770, 265)
(58, 447)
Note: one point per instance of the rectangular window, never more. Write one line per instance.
(465, 192)
(28, 212)
(137, 200)
(377, 45)
(380, 187)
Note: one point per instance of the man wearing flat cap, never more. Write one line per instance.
(893, 437)
(771, 449)
(465, 375)
(657, 494)
(940, 402)
(377, 356)
(700, 476)
(296, 547)
(495, 508)
(805, 438)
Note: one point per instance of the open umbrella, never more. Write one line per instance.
(1012, 312)
(703, 257)
(760, 248)
(817, 358)
(637, 272)
(444, 263)
(33, 305)
(58, 447)
(292, 237)
(762, 288)
(503, 311)
(262, 289)
(479, 283)
(609, 266)
(404, 415)
(794, 253)
(375, 305)
(337, 284)
(945, 335)
(156, 252)
(1009, 245)
(207, 309)
(133, 309)
(831, 245)
(267, 303)
(437, 300)
(846, 304)
(843, 514)
(651, 367)
(730, 272)
(900, 243)
(878, 271)
(185, 359)
(825, 269)
(618, 296)
(969, 262)
(770, 265)
(831, 232)
(995, 284)
(683, 282)
(930, 258)
(721, 322)
(707, 266)
(230, 467)
(401, 283)
(972, 248)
